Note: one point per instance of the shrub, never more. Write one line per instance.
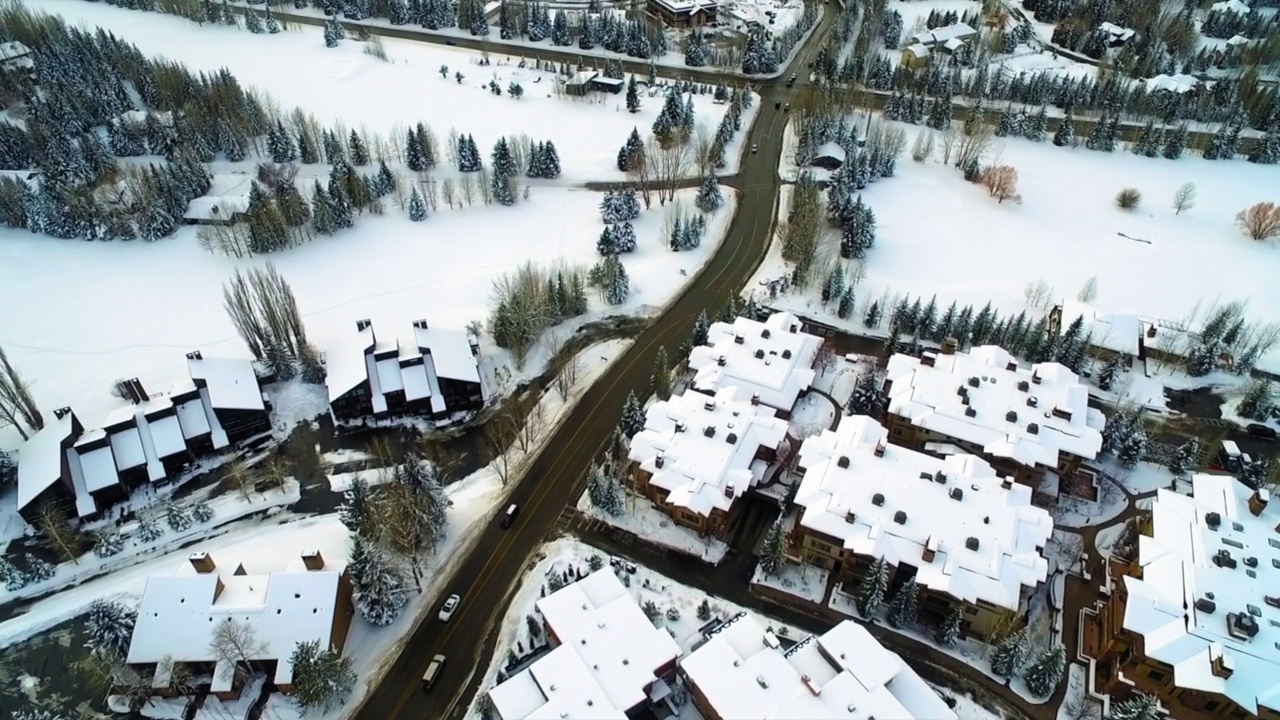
(1001, 182)
(1128, 198)
(1260, 221)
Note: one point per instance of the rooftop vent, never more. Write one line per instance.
(900, 517)
(949, 346)
(926, 476)
(759, 354)
(957, 494)
(786, 354)
(202, 562)
(61, 412)
(709, 431)
(658, 461)
(970, 412)
(940, 477)
(809, 683)
(878, 499)
(1012, 366)
(1011, 416)
(879, 451)
(1242, 626)
(1024, 386)
(195, 354)
(1251, 562)
(728, 490)
(313, 560)
(681, 427)
(1060, 413)
(1035, 377)
(928, 359)
(1033, 428)
(762, 682)
(738, 339)
(771, 640)
(972, 543)
(721, 361)
(974, 381)
(1213, 520)
(964, 400)
(1206, 606)
(843, 461)
(421, 324)
(1220, 663)
(1033, 402)
(962, 391)
(1258, 501)
(362, 325)
(1006, 484)
(755, 398)
(930, 550)
(1223, 559)
(709, 405)
(850, 516)
(731, 438)
(765, 333)
(1272, 600)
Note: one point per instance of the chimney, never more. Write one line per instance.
(1220, 663)
(786, 354)
(420, 324)
(709, 431)
(1035, 377)
(1023, 385)
(900, 517)
(957, 494)
(940, 477)
(194, 355)
(728, 490)
(880, 447)
(755, 398)
(1011, 416)
(202, 562)
(61, 412)
(843, 461)
(738, 339)
(765, 333)
(659, 460)
(928, 359)
(930, 549)
(972, 543)
(926, 476)
(850, 516)
(878, 500)
(709, 405)
(1012, 366)
(1006, 484)
(362, 325)
(731, 438)
(813, 687)
(759, 354)
(721, 361)
(1033, 429)
(1258, 501)
(1060, 413)
(312, 559)
(970, 412)
(1033, 401)
(974, 381)
(1213, 520)
(949, 346)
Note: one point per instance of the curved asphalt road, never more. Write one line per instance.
(487, 578)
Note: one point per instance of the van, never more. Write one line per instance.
(433, 672)
(509, 516)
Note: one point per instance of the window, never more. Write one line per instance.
(1155, 675)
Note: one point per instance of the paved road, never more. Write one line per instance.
(487, 578)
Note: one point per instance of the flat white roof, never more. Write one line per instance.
(416, 383)
(843, 673)
(1004, 423)
(232, 384)
(772, 359)
(1117, 332)
(191, 417)
(443, 353)
(1173, 83)
(687, 6)
(1209, 563)
(389, 377)
(40, 458)
(961, 500)
(1116, 31)
(607, 660)
(179, 611)
(126, 445)
(1235, 6)
(98, 467)
(450, 352)
(704, 472)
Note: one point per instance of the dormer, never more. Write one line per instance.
(1063, 414)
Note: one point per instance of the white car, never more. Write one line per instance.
(450, 605)
(755, 149)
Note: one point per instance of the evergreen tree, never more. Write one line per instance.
(307, 152)
(177, 517)
(11, 575)
(662, 375)
(1267, 151)
(417, 206)
(358, 512)
(633, 416)
(758, 57)
(380, 587)
(902, 610)
(359, 153)
(1046, 670)
(1254, 474)
(949, 631)
(873, 587)
(109, 626)
(1010, 654)
(834, 287)
(1184, 459)
(633, 99)
(603, 489)
(1257, 402)
(1139, 707)
(773, 549)
(156, 223)
(709, 196)
(1066, 132)
(107, 543)
(845, 308)
(322, 677)
(333, 32)
(624, 237)
(1133, 449)
(872, 318)
(560, 30)
(1107, 376)
(695, 49)
(607, 245)
(701, 329)
(413, 156)
(866, 397)
(1175, 142)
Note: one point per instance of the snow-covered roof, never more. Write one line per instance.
(939, 36)
(1237, 40)
(984, 397)
(830, 150)
(772, 359)
(582, 77)
(12, 50)
(608, 658)
(1116, 32)
(228, 194)
(1235, 6)
(345, 365)
(126, 445)
(918, 50)
(40, 457)
(702, 449)
(1209, 563)
(1173, 83)
(961, 500)
(687, 6)
(232, 384)
(98, 467)
(742, 674)
(179, 611)
(1117, 332)
(450, 352)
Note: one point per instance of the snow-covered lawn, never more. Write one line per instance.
(804, 581)
(839, 380)
(811, 415)
(156, 301)
(1143, 478)
(345, 85)
(917, 12)
(965, 707)
(341, 482)
(1077, 705)
(645, 585)
(1063, 551)
(647, 523)
(227, 508)
(1074, 512)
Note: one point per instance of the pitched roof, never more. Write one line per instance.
(232, 384)
(985, 534)
(940, 35)
(702, 449)
(40, 457)
(1210, 587)
(450, 352)
(843, 673)
(772, 359)
(976, 398)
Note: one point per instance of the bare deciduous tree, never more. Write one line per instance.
(468, 188)
(922, 150)
(235, 643)
(1037, 294)
(671, 166)
(639, 172)
(1089, 291)
(264, 311)
(1001, 181)
(497, 445)
(1128, 198)
(448, 191)
(972, 149)
(17, 406)
(1260, 221)
(1184, 198)
(237, 476)
(58, 533)
(567, 375)
(950, 136)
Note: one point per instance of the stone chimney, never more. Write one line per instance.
(202, 562)
(313, 560)
(1258, 501)
(949, 346)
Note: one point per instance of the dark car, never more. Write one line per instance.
(451, 43)
(509, 516)
(1263, 432)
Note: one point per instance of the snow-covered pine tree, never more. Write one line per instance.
(1065, 135)
(758, 57)
(872, 318)
(357, 511)
(662, 375)
(948, 632)
(773, 548)
(1258, 401)
(633, 416)
(633, 97)
(833, 288)
(109, 626)
(359, 153)
(610, 212)
(1254, 474)
(902, 610)
(1267, 151)
(865, 399)
(39, 569)
(1134, 448)
(156, 223)
(1010, 654)
(701, 328)
(107, 542)
(1045, 672)
(1107, 375)
(417, 206)
(177, 517)
(1183, 459)
(603, 489)
(149, 530)
(322, 677)
(872, 588)
(333, 32)
(619, 287)
(11, 575)
(201, 512)
(709, 196)
(846, 306)
(379, 584)
(628, 204)
(1139, 707)
(695, 49)
(560, 30)
(503, 188)
(607, 245)
(624, 237)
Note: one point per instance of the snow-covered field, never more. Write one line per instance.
(156, 301)
(344, 84)
(804, 581)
